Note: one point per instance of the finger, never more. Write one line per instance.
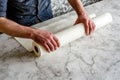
(94, 26)
(50, 45)
(76, 22)
(57, 41)
(54, 43)
(46, 47)
(87, 28)
(91, 27)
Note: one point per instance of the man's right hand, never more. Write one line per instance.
(46, 39)
(42, 37)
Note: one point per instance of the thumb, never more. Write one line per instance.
(76, 22)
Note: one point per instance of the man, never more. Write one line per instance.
(17, 15)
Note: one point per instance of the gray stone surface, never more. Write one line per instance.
(60, 7)
(95, 57)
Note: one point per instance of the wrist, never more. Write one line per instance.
(83, 17)
(30, 32)
(82, 14)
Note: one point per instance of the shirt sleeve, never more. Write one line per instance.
(3, 8)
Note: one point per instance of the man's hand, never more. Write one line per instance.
(46, 39)
(82, 16)
(88, 23)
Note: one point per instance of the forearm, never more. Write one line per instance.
(11, 28)
(78, 6)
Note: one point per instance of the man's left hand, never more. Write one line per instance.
(88, 23)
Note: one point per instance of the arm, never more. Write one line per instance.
(82, 16)
(45, 38)
(11, 28)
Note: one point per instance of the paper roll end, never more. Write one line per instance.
(36, 49)
(110, 16)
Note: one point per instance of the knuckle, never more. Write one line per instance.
(54, 44)
(57, 40)
(50, 33)
(44, 42)
(50, 37)
(47, 40)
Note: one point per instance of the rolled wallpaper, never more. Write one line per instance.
(55, 25)
(72, 33)
(63, 23)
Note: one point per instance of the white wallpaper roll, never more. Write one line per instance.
(68, 35)
(63, 23)
(53, 25)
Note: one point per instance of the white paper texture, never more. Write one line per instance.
(68, 35)
(53, 25)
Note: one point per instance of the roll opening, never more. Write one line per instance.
(36, 49)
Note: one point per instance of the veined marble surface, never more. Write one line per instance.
(95, 57)
(60, 7)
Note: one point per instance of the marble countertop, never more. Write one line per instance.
(95, 57)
